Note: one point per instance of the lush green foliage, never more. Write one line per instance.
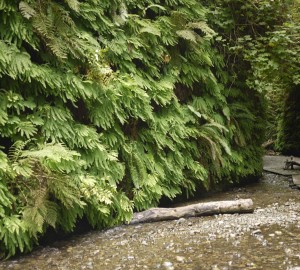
(106, 106)
(285, 43)
(240, 24)
(288, 137)
(266, 35)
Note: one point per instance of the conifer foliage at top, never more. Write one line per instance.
(105, 107)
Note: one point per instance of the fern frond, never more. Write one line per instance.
(201, 26)
(187, 34)
(26, 10)
(73, 4)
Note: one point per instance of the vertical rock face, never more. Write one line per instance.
(200, 209)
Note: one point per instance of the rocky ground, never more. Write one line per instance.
(267, 239)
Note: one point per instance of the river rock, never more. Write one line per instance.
(168, 266)
(180, 221)
(89, 265)
(180, 259)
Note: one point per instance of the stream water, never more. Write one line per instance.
(267, 239)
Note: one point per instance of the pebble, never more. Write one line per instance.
(180, 259)
(256, 232)
(97, 251)
(124, 242)
(180, 221)
(89, 265)
(168, 265)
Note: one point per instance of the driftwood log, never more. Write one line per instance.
(194, 210)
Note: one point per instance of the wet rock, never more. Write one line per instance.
(89, 265)
(288, 251)
(180, 259)
(192, 232)
(256, 232)
(168, 266)
(95, 252)
(180, 221)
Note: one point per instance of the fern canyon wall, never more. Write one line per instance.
(108, 106)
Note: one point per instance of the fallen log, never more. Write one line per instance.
(194, 210)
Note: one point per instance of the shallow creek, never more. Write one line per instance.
(267, 239)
